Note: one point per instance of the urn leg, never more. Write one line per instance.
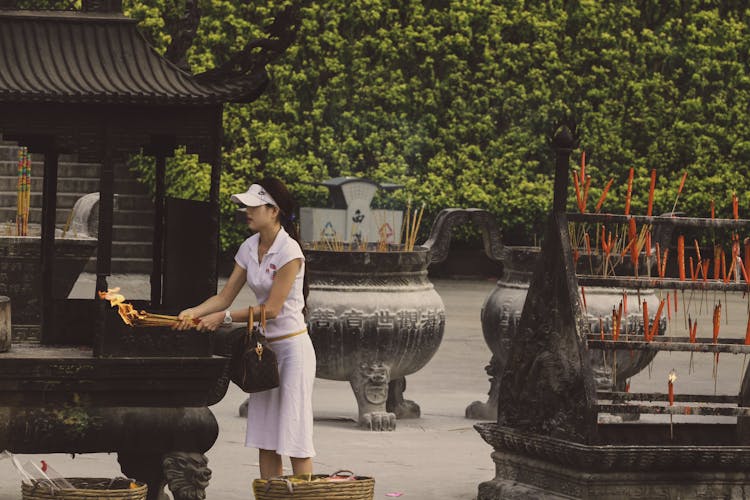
(487, 411)
(403, 408)
(146, 468)
(187, 475)
(370, 385)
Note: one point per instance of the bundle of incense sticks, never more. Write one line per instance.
(131, 317)
(412, 227)
(23, 192)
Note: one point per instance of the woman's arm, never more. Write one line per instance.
(219, 302)
(282, 285)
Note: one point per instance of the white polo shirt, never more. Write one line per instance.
(260, 276)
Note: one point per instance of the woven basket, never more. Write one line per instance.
(88, 489)
(314, 488)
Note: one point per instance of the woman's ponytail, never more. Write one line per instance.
(288, 219)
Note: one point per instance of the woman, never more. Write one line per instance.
(279, 421)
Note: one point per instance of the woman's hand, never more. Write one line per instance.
(185, 320)
(210, 322)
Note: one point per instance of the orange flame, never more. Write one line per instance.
(126, 311)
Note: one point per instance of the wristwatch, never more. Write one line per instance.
(227, 317)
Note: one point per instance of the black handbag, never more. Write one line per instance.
(254, 367)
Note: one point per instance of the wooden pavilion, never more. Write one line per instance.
(86, 82)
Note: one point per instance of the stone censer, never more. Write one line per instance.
(376, 318)
(548, 441)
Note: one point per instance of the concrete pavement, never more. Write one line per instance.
(438, 456)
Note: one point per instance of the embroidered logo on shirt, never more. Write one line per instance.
(272, 270)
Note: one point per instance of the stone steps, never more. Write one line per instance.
(133, 213)
(66, 184)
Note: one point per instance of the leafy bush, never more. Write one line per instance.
(457, 100)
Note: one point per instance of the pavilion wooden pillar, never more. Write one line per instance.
(106, 211)
(49, 212)
(161, 147)
(213, 197)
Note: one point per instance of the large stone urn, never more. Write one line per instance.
(502, 309)
(375, 317)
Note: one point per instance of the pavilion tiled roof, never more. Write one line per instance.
(74, 57)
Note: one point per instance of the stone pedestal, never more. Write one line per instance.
(152, 412)
(639, 461)
(523, 477)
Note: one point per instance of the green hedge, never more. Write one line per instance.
(457, 99)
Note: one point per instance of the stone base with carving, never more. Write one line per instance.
(523, 477)
(370, 386)
(402, 408)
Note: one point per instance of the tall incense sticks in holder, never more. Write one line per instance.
(407, 238)
(23, 192)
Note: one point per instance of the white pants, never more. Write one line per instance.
(282, 419)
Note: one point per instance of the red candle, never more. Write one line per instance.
(681, 256)
(583, 165)
(630, 192)
(655, 326)
(651, 193)
(717, 321)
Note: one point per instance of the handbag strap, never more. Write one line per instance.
(250, 319)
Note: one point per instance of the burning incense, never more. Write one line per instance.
(670, 396)
(131, 317)
(670, 386)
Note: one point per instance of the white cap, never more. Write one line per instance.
(255, 196)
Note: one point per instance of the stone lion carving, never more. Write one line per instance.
(370, 386)
(187, 475)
